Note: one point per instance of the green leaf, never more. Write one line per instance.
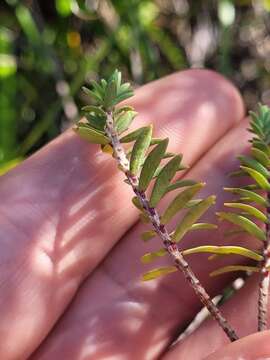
(147, 235)
(163, 180)
(237, 173)
(224, 250)
(90, 134)
(133, 135)
(139, 149)
(179, 184)
(180, 201)
(94, 109)
(153, 274)
(231, 268)
(244, 223)
(124, 120)
(258, 177)
(168, 155)
(254, 164)
(96, 122)
(191, 217)
(151, 163)
(261, 156)
(261, 145)
(251, 210)
(151, 256)
(110, 94)
(251, 195)
(99, 89)
(86, 91)
(156, 141)
(123, 96)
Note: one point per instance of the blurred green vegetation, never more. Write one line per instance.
(49, 49)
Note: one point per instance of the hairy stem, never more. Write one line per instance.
(265, 278)
(169, 245)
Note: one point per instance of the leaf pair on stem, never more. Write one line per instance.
(150, 170)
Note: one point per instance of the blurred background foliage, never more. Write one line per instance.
(49, 49)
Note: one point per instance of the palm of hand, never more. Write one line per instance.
(70, 245)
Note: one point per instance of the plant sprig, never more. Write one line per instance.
(251, 210)
(146, 161)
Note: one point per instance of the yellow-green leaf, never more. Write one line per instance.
(233, 232)
(144, 218)
(163, 180)
(149, 257)
(147, 235)
(107, 149)
(151, 164)
(244, 223)
(224, 250)
(180, 201)
(90, 134)
(231, 268)
(137, 203)
(191, 217)
(258, 177)
(251, 210)
(203, 226)
(153, 274)
(251, 195)
(139, 149)
(123, 109)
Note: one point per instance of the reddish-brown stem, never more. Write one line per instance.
(171, 247)
(264, 277)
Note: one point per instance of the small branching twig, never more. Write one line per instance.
(254, 202)
(105, 125)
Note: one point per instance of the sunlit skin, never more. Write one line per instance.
(70, 241)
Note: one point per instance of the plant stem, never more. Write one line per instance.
(265, 277)
(171, 247)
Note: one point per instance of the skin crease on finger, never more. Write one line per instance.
(53, 204)
(115, 315)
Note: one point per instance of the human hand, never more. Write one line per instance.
(70, 247)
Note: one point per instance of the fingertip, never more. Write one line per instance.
(194, 108)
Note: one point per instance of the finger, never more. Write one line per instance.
(253, 347)
(115, 312)
(64, 208)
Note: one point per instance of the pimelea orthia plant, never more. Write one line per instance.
(150, 170)
(143, 160)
